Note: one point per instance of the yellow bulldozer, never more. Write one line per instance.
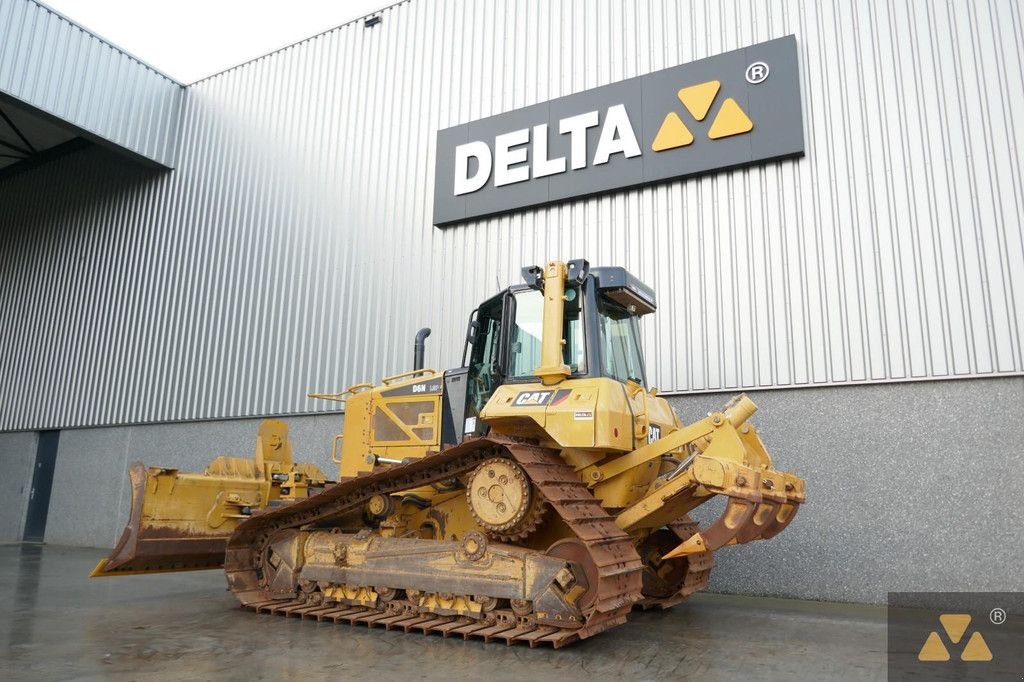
(536, 494)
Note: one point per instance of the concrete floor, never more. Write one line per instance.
(59, 624)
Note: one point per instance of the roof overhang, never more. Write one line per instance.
(60, 83)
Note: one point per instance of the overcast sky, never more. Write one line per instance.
(192, 39)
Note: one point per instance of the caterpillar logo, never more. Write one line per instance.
(531, 398)
(734, 109)
(730, 119)
(537, 398)
(955, 625)
(653, 433)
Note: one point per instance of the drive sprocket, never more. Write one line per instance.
(502, 500)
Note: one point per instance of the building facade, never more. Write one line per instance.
(278, 239)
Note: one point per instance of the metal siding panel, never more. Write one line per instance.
(292, 250)
(50, 63)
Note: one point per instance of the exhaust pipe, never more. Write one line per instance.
(419, 347)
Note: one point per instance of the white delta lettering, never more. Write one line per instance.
(518, 155)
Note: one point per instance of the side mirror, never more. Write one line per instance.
(474, 329)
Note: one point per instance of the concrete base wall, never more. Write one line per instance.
(17, 460)
(911, 486)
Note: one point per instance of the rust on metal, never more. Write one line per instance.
(602, 554)
(152, 549)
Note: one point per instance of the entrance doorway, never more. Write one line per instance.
(42, 483)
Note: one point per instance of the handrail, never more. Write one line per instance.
(340, 397)
(412, 373)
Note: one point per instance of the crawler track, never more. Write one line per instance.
(499, 626)
(612, 564)
(697, 573)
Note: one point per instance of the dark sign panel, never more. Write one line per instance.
(729, 110)
(955, 636)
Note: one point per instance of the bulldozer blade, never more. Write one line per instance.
(738, 514)
(169, 531)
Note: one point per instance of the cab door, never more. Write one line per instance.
(486, 366)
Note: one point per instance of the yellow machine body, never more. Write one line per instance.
(181, 521)
(401, 418)
(559, 502)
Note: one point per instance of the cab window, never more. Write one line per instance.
(527, 331)
(483, 369)
(620, 342)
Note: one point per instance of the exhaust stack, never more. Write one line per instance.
(419, 347)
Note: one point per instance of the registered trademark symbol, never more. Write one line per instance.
(757, 73)
(997, 616)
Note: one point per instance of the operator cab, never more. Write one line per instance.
(600, 333)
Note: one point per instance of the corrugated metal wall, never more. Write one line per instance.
(292, 249)
(56, 66)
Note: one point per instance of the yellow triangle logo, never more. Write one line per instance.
(730, 120)
(673, 133)
(933, 649)
(976, 649)
(698, 98)
(955, 625)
